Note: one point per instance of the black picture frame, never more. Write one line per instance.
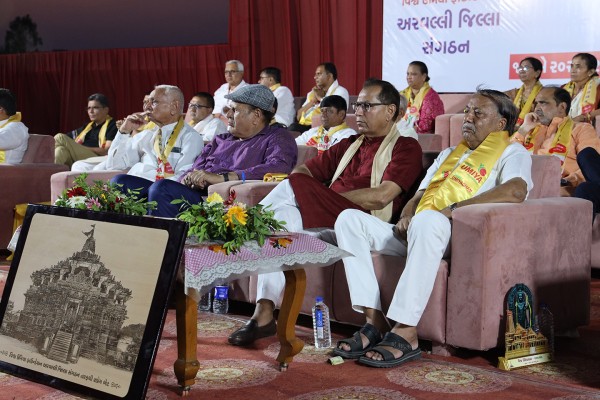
(84, 292)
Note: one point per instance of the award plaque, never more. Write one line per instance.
(524, 343)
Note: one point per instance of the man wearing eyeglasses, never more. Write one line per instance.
(199, 115)
(372, 172)
(90, 140)
(234, 74)
(271, 78)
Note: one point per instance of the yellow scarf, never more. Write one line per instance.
(588, 97)
(101, 136)
(380, 163)
(306, 118)
(275, 87)
(560, 143)
(13, 118)
(164, 168)
(322, 139)
(455, 182)
(528, 103)
(414, 106)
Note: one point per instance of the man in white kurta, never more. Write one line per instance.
(14, 135)
(234, 72)
(427, 229)
(200, 110)
(271, 78)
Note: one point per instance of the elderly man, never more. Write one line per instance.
(14, 135)
(163, 152)
(271, 78)
(91, 140)
(234, 72)
(484, 168)
(326, 84)
(200, 110)
(371, 172)
(549, 131)
(249, 150)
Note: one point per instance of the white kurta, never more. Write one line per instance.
(209, 127)
(286, 112)
(14, 137)
(220, 100)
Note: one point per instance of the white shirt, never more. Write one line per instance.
(335, 138)
(220, 100)
(336, 89)
(286, 112)
(138, 153)
(13, 141)
(209, 127)
(515, 162)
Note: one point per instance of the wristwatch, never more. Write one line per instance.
(452, 206)
(225, 176)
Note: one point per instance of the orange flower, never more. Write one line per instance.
(217, 248)
(238, 212)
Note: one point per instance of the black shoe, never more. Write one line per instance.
(250, 332)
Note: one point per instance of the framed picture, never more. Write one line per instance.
(86, 298)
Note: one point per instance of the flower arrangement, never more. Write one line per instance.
(103, 196)
(229, 222)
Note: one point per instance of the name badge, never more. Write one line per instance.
(176, 150)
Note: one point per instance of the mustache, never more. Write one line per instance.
(469, 126)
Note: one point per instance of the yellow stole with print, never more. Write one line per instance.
(164, 168)
(562, 139)
(380, 163)
(528, 103)
(453, 183)
(13, 118)
(321, 140)
(588, 96)
(101, 136)
(414, 106)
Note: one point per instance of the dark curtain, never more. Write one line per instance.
(293, 35)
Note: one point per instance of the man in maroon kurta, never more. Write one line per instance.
(373, 172)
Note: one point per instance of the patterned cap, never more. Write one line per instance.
(255, 95)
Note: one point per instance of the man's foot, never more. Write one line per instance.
(360, 342)
(392, 351)
(250, 332)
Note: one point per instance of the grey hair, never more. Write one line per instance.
(173, 92)
(239, 64)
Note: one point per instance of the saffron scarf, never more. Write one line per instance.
(528, 103)
(322, 139)
(455, 182)
(560, 143)
(164, 168)
(380, 163)
(13, 118)
(414, 106)
(585, 101)
(101, 136)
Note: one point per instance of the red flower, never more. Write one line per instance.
(76, 191)
(231, 198)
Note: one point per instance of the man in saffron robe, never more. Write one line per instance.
(484, 168)
(371, 172)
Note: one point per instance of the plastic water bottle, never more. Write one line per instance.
(546, 325)
(221, 300)
(322, 333)
(205, 302)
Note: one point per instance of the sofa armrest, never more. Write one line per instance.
(442, 128)
(249, 193)
(64, 180)
(224, 188)
(543, 243)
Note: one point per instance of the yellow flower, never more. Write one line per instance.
(214, 198)
(238, 212)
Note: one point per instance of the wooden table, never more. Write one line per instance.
(205, 268)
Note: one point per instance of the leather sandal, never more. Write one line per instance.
(250, 332)
(355, 342)
(389, 360)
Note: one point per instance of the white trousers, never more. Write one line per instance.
(428, 237)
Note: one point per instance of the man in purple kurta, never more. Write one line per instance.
(249, 150)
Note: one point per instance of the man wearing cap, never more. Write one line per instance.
(249, 150)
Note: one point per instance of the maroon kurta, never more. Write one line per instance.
(320, 205)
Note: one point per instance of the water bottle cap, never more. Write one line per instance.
(319, 299)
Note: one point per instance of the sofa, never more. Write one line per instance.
(28, 182)
(543, 242)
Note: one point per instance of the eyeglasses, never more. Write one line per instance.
(524, 68)
(366, 106)
(231, 72)
(196, 106)
(94, 108)
(154, 103)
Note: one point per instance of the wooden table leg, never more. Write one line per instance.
(186, 367)
(295, 285)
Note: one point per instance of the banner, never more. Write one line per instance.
(466, 43)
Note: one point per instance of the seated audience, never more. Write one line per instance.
(90, 140)
(14, 135)
(371, 172)
(163, 152)
(548, 130)
(588, 160)
(234, 73)
(249, 150)
(200, 111)
(583, 88)
(423, 232)
(333, 128)
(424, 104)
(530, 71)
(326, 84)
(271, 78)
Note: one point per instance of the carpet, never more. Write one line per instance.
(228, 372)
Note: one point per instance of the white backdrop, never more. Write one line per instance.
(466, 43)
